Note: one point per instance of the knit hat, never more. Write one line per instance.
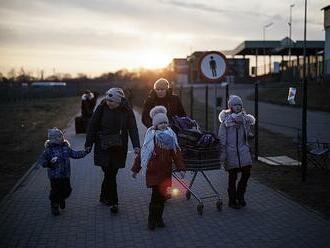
(234, 100)
(114, 95)
(161, 83)
(55, 136)
(158, 115)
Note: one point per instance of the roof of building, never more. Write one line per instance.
(326, 8)
(277, 47)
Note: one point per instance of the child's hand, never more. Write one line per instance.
(137, 150)
(134, 175)
(53, 160)
(88, 149)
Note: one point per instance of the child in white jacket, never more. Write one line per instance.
(234, 132)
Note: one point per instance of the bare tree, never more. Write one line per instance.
(12, 74)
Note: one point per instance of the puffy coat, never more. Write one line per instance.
(159, 169)
(63, 152)
(171, 102)
(110, 121)
(234, 139)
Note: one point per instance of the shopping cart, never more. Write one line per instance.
(199, 160)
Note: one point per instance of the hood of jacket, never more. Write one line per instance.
(50, 144)
(223, 115)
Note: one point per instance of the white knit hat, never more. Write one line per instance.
(114, 95)
(158, 115)
(234, 100)
(161, 83)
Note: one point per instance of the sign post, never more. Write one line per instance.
(212, 68)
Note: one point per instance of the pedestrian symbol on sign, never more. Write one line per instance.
(213, 66)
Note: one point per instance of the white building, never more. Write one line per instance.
(327, 40)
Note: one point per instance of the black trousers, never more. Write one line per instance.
(242, 184)
(156, 206)
(60, 190)
(109, 185)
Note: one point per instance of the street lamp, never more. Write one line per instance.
(264, 37)
(290, 32)
(304, 107)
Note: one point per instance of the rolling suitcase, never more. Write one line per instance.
(80, 124)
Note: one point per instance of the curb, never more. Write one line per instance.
(34, 167)
(20, 181)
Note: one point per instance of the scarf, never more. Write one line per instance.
(166, 139)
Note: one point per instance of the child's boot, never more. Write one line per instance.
(54, 208)
(152, 217)
(62, 204)
(159, 219)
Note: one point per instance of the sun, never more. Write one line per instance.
(153, 59)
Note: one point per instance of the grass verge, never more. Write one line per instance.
(23, 131)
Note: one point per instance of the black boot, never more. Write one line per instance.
(232, 199)
(240, 195)
(62, 204)
(54, 209)
(159, 219)
(152, 217)
(114, 209)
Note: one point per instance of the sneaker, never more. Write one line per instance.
(62, 204)
(114, 209)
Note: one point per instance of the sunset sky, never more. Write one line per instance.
(93, 37)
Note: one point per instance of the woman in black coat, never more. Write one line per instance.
(161, 95)
(110, 125)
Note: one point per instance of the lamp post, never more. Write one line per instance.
(263, 38)
(304, 107)
(290, 32)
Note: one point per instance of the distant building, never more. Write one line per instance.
(48, 84)
(327, 40)
(263, 54)
(180, 69)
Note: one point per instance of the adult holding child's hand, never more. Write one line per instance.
(110, 125)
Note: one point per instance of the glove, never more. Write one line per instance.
(52, 162)
(137, 150)
(88, 149)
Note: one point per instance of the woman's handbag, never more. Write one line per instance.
(111, 140)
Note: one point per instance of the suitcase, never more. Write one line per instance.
(80, 124)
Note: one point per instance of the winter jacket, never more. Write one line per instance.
(234, 140)
(61, 168)
(159, 169)
(110, 121)
(171, 102)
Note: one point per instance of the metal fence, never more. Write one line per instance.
(278, 125)
(18, 93)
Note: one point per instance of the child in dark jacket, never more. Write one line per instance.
(56, 157)
(159, 150)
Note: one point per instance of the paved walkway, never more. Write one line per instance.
(269, 220)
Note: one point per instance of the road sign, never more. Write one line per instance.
(213, 66)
